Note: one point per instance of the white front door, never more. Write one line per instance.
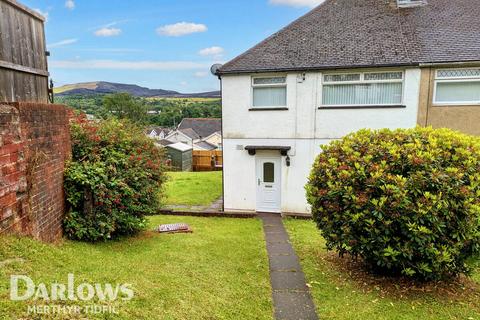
(268, 183)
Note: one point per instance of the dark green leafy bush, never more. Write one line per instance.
(406, 201)
(113, 180)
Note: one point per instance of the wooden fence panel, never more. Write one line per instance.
(207, 160)
(23, 58)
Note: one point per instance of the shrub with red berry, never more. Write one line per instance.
(406, 201)
(113, 180)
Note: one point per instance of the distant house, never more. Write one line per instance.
(215, 139)
(346, 65)
(158, 133)
(192, 131)
(204, 127)
(186, 136)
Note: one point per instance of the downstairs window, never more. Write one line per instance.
(457, 86)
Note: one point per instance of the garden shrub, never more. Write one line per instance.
(406, 201)
(112, 181)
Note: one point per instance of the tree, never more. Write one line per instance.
(125, 106)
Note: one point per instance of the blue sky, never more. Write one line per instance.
(167, 44)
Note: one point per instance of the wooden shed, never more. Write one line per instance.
(23, 55)
(180, 155)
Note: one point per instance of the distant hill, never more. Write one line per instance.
(101, 87)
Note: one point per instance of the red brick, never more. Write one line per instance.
(9, 168)
(44, 129)
(13, 177)
(10, 148)
(7, 200)
(13, 157)
(5, 159)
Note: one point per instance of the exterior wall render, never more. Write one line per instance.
(303, 127)
(464, 118)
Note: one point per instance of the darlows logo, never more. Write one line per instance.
(24, 288)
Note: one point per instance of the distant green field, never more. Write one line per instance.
(183, 99)
(90, 85)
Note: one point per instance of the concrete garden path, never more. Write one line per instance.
(291, 297)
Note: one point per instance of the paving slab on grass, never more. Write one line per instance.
(294, 305)
(292, 281)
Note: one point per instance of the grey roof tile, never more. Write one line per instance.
(203, 127)
(189, 132)
(363, 33)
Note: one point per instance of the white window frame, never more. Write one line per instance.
(270, 85)
(361, 81)
(451, 80)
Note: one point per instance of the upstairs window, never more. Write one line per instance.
(362, 89)
(269, 92)
(457, 86)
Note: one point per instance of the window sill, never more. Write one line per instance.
(268, 109)
(364, 107)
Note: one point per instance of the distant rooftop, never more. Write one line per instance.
(203, 127)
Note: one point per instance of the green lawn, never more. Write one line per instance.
(218, 272)
(193, 188)
(341, 294)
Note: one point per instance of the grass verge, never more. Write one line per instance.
(343, 290)
(220, 271)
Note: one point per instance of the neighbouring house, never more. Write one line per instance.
(180, 155)
(193, 131)
(215, 139)
(158, 133)
(187, 136)
(344, 66)
(204, 127)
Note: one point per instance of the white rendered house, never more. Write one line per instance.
(344, 66)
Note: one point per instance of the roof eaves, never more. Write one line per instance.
(319, 68)
(449, 63)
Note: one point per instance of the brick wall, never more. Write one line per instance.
(34, 144)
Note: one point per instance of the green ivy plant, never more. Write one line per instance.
(406, 201)
(113, 180)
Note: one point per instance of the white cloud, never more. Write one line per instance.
(62, 43)
(110, 24)
(45, 14)
(297, 3)
(212, 51)
(112, 50)
(70, 4)
(108, 32)
(181, 29)
(201, 74)
(128, 65)
(184, 83)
